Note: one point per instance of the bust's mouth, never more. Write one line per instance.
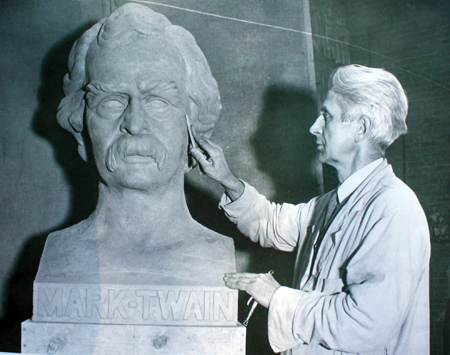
(139, 159)
(136, 150)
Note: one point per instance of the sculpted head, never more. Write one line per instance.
(375, 93)
(132, 79)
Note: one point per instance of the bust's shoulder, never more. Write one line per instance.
(67, 252)
(78, 229)
(212, 240)
(65, 244)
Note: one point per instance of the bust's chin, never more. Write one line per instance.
(138, 173)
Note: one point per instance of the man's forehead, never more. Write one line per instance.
(332, 98)
(332, 103)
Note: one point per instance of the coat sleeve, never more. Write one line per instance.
(270, 224)
(379, 281)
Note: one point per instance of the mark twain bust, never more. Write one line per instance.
(132, 79)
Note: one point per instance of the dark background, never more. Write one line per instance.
(272, 77)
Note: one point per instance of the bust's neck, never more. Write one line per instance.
(128, 213)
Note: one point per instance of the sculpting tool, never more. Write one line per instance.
(245, 323)
(191, 136)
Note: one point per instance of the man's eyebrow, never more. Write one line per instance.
(324, 109)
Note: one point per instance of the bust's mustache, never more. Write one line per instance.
(138, 146)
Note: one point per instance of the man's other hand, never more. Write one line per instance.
(260, 286)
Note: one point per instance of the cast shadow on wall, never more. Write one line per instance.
(80, 178)
(284, 149)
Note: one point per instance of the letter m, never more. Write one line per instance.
(49, 305)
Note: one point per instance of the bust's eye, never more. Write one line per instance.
(112, 107)
(113, 104)
(155, 103)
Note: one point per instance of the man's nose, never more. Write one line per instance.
(135, 119)
(317, 126)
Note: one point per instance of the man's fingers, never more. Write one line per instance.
(199, 156)
(210, 147)
(260, 286)
(242, 285)
(240, 281)
(244, 275)
(205, 142)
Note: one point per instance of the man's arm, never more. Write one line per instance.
(270, 224)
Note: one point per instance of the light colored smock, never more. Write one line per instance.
(367, 292)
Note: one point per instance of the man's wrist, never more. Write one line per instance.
(234, 188)
(273, 293)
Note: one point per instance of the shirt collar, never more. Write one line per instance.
(353, 181)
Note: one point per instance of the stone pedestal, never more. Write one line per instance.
(106, 339)
(131, 320)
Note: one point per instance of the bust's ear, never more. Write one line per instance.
(205, 128)
(193, 111)
(82, 146)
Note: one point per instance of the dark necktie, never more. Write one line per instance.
(331, 206)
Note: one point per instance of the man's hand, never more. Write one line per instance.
(212, 162)
(260, 286)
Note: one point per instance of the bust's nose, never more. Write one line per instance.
(135, 119)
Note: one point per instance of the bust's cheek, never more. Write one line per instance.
(166, 114)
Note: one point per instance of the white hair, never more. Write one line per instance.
(375, 93)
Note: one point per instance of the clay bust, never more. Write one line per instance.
(132, 79)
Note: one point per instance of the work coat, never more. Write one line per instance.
(367, 290)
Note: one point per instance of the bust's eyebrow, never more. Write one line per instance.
(160, 87)
(96, 92)
(96, 88)
(165, 89)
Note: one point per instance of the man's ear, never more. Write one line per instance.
(364, 128)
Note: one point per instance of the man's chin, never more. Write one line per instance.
(321, 157)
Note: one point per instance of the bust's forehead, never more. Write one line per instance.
(153, 55)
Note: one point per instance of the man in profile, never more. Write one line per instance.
(361, 275)
(132, 80)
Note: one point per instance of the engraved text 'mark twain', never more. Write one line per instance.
(135, 305)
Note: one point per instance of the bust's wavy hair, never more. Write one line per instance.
(126, 24)
(376, 93)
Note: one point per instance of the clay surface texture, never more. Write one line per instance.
(140, 258)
